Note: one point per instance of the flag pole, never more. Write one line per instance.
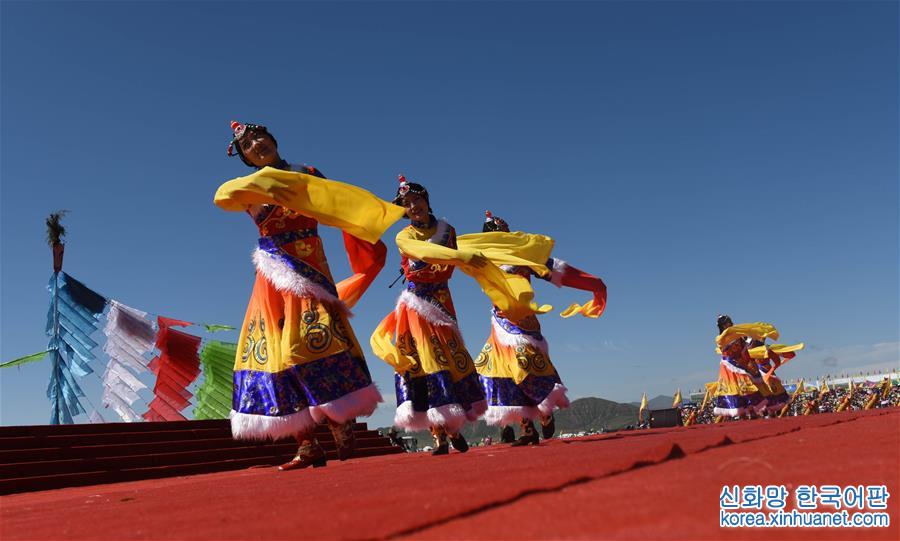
(55, 233)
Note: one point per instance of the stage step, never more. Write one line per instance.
(47, 457)
(24, 443)
(211, 427)
(108, 428)
(39, 454)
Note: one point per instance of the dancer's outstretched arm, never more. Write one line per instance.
(565, 275)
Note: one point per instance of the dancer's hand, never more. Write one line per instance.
(478, 261)
(281, 194)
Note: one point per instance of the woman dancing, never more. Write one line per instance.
(298, 361)
(519, 380)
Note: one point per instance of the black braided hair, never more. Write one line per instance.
(723, 321)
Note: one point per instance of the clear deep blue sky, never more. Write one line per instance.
(700, 157)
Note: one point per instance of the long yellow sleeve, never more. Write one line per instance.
(762, 352)
(511, 293)
(757, 331)
(330, 202)
(518, 249)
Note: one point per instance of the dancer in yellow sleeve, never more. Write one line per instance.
(741, 391)
(298, 361)
(519, 380)
(436, 384)
(747, 384)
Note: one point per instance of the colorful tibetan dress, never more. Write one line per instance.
(777, 396)
(298, 360)
(514, 366)
(740, 390)
(440, 387)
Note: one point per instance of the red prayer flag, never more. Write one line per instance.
(176, 367)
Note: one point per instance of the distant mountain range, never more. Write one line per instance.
(582, 415)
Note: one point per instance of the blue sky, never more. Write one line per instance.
(701, 157)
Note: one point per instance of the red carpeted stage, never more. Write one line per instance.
(649, 484)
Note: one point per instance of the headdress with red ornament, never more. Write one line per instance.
(405, 187)
(493, 223)
(239, 131)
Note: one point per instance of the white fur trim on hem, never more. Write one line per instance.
(246, 426)
(557, 271)
(509, 415)
(737, 412)
(734, 369)
(556, 399)
(359, 403)
(729, 412)
(285, 279)
(432, 313)
(477, 410)
(512, 340)
(451, 416)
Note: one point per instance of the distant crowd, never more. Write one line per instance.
(810, 401)
(806, 401)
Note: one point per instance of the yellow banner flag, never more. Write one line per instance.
(710, 392)
(871, 403)
(676, 403)
(643, 407)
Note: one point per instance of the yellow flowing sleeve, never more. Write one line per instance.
(511, 293)
(330, 202)
(762, 352)
(757, 331)
(518, 249)
(591, 309)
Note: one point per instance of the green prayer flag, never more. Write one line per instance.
(214, 395)
(215, 327)
(26, 359)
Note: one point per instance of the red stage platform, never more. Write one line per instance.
(44, 457)
(650, 484)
